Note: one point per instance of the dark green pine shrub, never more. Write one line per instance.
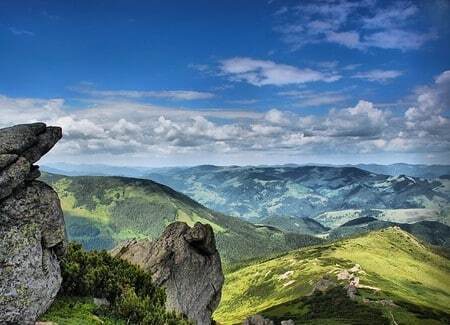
(128, 288)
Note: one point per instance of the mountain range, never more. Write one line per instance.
(414, 170)
(256, 193)
(102, 211)
(386, 237)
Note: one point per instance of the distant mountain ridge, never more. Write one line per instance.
(257, 193)
(424, 171)
(413, 170)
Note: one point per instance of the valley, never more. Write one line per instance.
(102, 211)
(391, 236)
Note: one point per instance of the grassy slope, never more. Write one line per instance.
(101, 211)
(77, 311)
(404, 269)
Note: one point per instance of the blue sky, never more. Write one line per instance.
(177, 82)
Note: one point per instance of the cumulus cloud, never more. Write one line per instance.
(427, 115)
(353, 24)
(262, 73)
(131, 129)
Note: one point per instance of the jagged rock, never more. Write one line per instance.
(7, 159)
(323, 285)
(186, 263)
(31, 226)
(13, 175)
(18, 138)
(257, 320)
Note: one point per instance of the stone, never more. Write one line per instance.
(101, 302)
(32, 228)
(34, 173)
(20, 147)
(16, 139)
(13, 175)
(184, 261)
(45, 141)
(30, 275)
(257, 320)
(323, 285)
(37, 203)
(7, 159)
(287, 322)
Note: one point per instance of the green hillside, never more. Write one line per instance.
(399, 277)
(101, 211)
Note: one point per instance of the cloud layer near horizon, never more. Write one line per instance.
(131, 128)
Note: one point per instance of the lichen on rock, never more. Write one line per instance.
(184, 261)
(31, 225)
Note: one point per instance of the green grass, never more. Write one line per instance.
(77, 311)
(405, 270)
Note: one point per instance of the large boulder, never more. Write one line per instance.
(31, 225)
(186, 263)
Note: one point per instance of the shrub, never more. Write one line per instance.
(128, 288)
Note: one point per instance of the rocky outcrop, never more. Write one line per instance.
(258, 320)
(31, 225)
(186, 263)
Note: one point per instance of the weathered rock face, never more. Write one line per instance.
(186, 263)
(31, 225)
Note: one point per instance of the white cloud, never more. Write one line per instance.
(20, 32)
(135, 94)
(378, 75)
(130, 129)
(398, 39)
(426, 115)
(349, 39)
(354, 24)
(261, 72)
(308, 98)
(276, 117)
(391, 17)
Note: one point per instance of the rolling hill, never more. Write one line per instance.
(101, 211)
(256, 193)
(408, 285)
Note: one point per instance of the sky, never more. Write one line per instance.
(170, 83)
